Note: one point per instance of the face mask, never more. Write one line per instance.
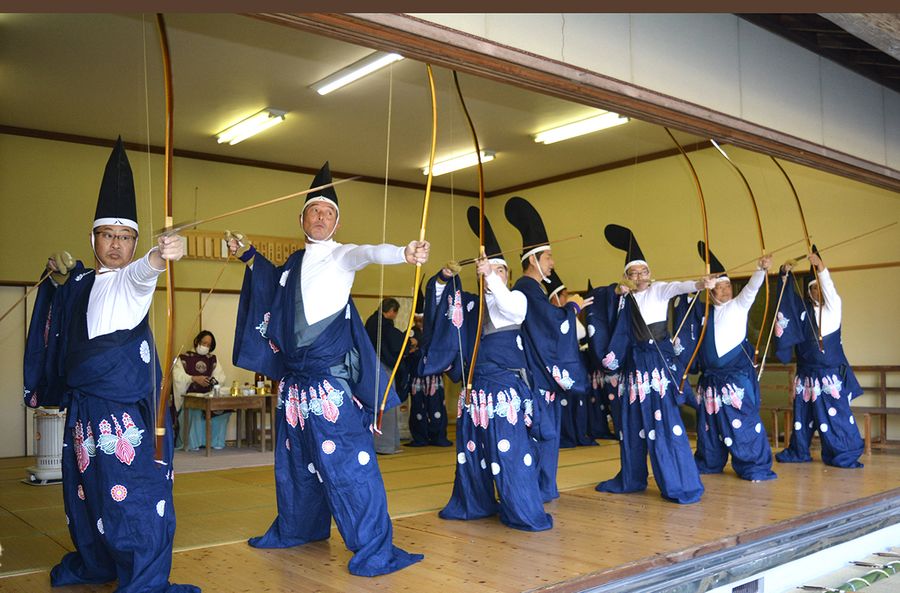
(204, 350)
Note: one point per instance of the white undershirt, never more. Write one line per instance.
(506, 307)
(121, 298)
(328, 269)
(831, 315)
(653, 302)
(731, 317)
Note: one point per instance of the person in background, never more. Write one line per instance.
(198, 371)
(388, 442)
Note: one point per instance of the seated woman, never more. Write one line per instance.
(198, 371)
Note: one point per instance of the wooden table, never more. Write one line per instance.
(228, 402)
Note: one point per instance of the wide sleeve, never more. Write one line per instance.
(41, 350)
(253, 347)
(788, 328)
(180, 379)
(445, 327)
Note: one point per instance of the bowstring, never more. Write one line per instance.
(378, 311)
(155, 352)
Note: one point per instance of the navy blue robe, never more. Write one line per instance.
(493, 447)
(325, 463)
(600, 319)
(727, 402)
(427, 410)
(648, 417)
(117, 498)
(823, 387)
(558, 369)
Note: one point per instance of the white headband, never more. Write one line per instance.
(538, 249)
(636, 262)
(112, 221)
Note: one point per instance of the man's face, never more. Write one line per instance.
(392, 315)
(560, 298)
(545, 261)
(419, 322)
(639, 275)
(501, 271)
(114, 245)
(319, 221)
(722, 293)
(814, 294)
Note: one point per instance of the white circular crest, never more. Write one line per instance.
(527, 459)
(503, 445)
(677, 430)
(363, 457)
(145, 352)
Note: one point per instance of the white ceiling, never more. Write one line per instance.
(101, 76)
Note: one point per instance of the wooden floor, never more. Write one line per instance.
(596, 536)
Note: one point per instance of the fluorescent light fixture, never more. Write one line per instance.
(607, 119)
(254, 124)
(460, 162)
(367, 65)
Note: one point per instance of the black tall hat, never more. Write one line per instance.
(116, 204)
(491, 246)
(556, 284)
(522, 215)
(327, 195)
(590, 286)
(715, 266)
(622, 238)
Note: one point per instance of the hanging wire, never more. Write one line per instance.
(387, 166)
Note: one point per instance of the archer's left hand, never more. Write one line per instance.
(171, 247)
(417, 252)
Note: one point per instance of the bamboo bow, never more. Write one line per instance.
(166, 386)
(762, 243)
(809, 250)
(706, 245)
(418, 280)
(465, 109)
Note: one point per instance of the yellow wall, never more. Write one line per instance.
(49, 194)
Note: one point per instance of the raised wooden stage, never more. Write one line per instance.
(600, 542)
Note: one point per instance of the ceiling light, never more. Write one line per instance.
(607, 119)
(460, 162)
(254, 124)
(363, 67)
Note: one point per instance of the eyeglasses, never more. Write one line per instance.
(109, 237)
(638, 274)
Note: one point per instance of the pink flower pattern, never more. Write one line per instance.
(121, 444)
(84, 447)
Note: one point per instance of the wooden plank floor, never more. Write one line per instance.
(595, 535)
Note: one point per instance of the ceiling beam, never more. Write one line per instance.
(431, 43)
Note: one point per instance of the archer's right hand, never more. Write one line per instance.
(60, 264)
